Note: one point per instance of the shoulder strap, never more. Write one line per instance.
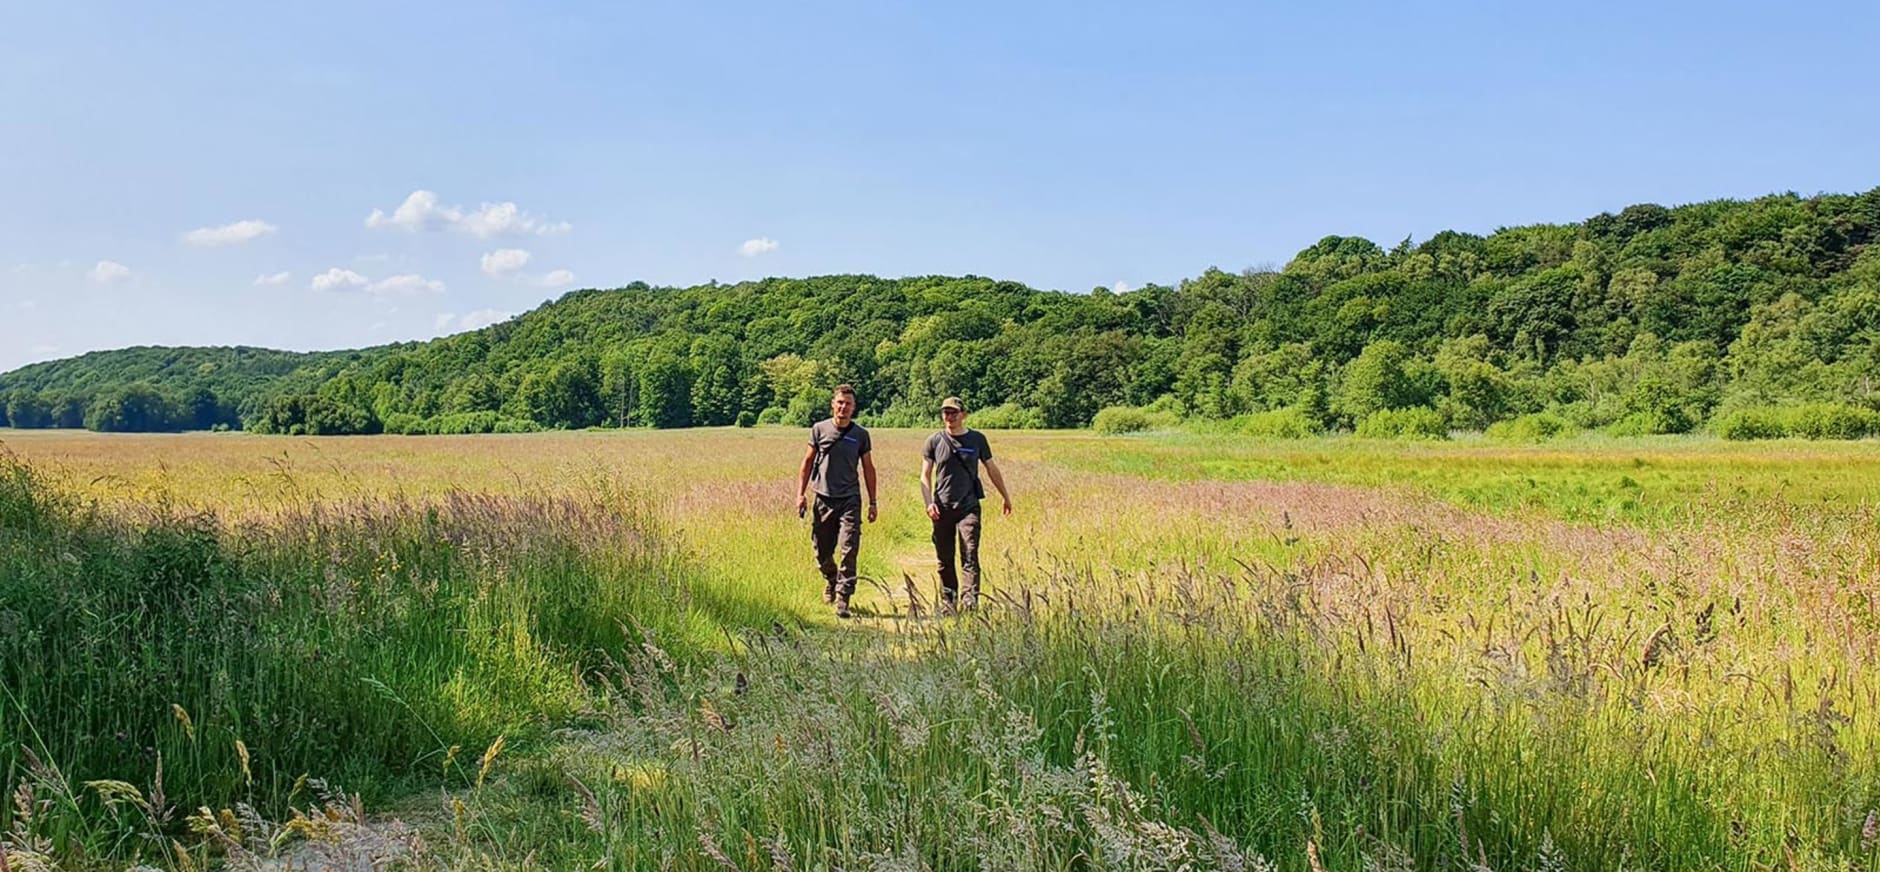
(979, 490)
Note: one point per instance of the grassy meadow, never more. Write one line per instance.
(607, 650)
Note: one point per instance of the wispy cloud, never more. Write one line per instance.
(279, 278)
(1121, 287)
(505, 261)
(109, 271)
(451, 322)
(422, 211)
(506, 219)
(337, 279)
(405, 285)
(229, 234)
(755, 247)
(560, 278)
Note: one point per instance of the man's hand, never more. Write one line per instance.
(802, 504)
(933, 512)
(871, 513)
(1007, 508)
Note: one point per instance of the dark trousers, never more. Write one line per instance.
(837, 530)
(958, 528)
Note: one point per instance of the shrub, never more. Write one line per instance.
(1416, 422)
(1746, 424)
(1830, 421)
(747, 418)
(515, 425)
(460, 423)
(1648, 424)
(1120, 419)
(1288, 423)
(902, 415)
(404, 424)
(1537, 427)
(805, 410)
(769, 416)
(1010, 416)
(1167, 407)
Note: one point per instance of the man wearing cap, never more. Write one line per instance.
(837, 445)
(949, 484)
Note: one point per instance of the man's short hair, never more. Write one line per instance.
(845, 389)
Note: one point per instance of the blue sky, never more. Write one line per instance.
(207, 173)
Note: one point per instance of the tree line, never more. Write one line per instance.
(1650, 320)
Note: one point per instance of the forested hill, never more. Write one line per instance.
(1652, 319)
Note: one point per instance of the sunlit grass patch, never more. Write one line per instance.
(1197, 651)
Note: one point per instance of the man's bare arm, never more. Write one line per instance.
(926, 488)
(802, 478)
(868, 476)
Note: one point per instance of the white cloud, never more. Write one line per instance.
(504, 261)
(421, 211)
(337, 279)
(229, 234)
(755, 247)
(507, 263)
(418, 212)
(29, 305)
(279, 278)
(450, 322)
(560, 278)
(405, 284)
(506, 219)
(1121, 287)
(108, 271)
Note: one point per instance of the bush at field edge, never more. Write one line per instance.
(1416, 422)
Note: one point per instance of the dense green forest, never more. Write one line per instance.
(1753, 318)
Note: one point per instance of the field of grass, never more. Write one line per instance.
(606, 650)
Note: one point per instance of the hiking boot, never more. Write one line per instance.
(842, 606)
(829, 593)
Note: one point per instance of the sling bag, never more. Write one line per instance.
(979, 489)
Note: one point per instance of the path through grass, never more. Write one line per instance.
(1202, 654)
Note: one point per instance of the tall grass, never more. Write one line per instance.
(1354, 707)
(210, 663)
(1181, 666)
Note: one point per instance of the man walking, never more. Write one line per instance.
(949, 484)
(837, 445)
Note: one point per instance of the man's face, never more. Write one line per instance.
(842, 407)
(953, 417)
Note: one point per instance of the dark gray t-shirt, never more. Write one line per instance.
(956, 466)
(838, 453)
